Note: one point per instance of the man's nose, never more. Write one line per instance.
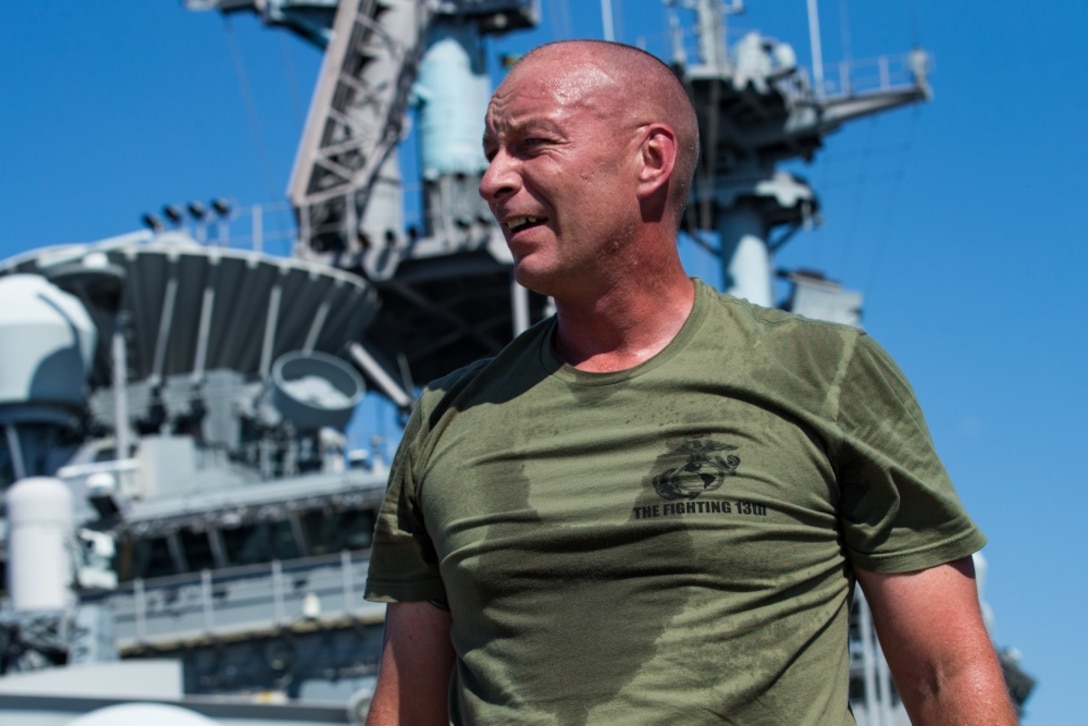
(500, 178)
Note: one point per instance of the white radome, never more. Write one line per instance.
(142, 714)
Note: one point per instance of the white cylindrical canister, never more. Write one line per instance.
(40, 525)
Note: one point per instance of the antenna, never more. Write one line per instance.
(606, 20)
(817, 52)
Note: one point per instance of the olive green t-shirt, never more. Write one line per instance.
(669, 544)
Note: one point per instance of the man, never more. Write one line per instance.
(652, 508)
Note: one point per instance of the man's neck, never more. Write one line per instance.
(624, 326)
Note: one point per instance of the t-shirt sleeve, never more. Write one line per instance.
(899, 510)
(403, 564)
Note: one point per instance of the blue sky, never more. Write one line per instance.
(958, 219)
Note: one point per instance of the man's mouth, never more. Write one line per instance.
(516, 224)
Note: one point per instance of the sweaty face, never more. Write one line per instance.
(561, 179)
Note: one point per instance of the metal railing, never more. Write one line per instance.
(882, 73)
(244, 600)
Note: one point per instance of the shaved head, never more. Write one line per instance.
(629, 84)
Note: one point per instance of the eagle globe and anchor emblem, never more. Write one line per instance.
(701, 467)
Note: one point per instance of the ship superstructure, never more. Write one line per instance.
(188, 401)
(222, 524)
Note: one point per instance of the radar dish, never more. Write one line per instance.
(313, 390)
(190, 309)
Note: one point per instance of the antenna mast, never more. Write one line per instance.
(757, 108)
(817, 51)
(606, 20)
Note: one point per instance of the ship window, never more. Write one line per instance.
(320, 529)
(284, 544)
(857, 689)
(260, 542)
(335, 531)
(358, 529)
(151, 558)
(197, 549)
(7, 469)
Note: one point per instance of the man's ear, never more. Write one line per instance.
(657, 158)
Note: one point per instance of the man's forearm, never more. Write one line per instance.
(974, 696)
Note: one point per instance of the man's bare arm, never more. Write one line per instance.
(931, 629)
(414, 674)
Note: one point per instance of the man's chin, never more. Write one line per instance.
(531, 278)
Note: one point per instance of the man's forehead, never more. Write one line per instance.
(526, 117)
(544, 88)
(568, 75)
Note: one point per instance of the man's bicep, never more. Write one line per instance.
(928, 610)
(417, 660)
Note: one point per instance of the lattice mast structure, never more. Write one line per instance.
(445, 284)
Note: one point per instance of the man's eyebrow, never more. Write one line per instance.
(518, 127)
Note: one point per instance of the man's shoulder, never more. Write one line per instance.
(456, 378)
(489, 380)
(760, 321)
